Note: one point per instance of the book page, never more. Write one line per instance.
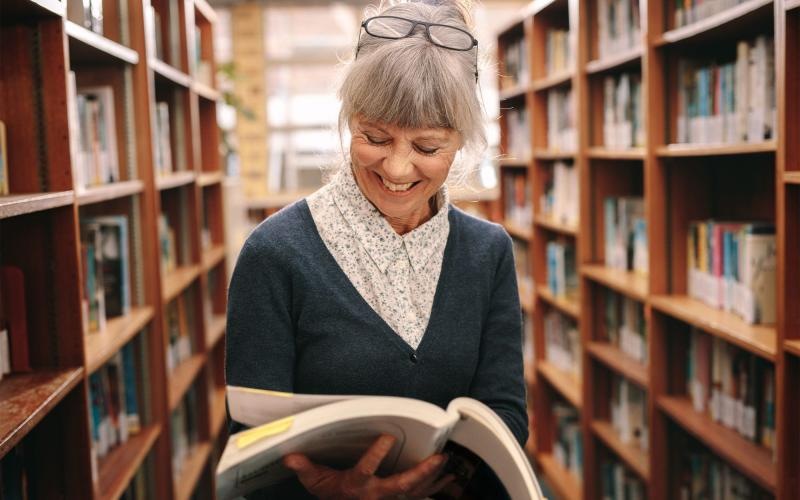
(482, 432)
(254, 407)
(336, 435)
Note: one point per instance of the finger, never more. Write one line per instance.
(431, 478)
(409, 480)
(372, 458)
(307, 471)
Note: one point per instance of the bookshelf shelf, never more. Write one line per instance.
(601, 153)
(191, 470)
(566, 306)
(212, 257)
(729, 21)
(517, 231)
(108, 192)
(101, 346)
(515, 92)
(206, 92)
(216, 330)
(689, 150)
(616, 360)
(170, 74)
(563, 481)
(175, 179)
(758, 339)
(206, 179)
(205, 10)
(791, 177)
(25, 398)
(564, 383)
(14, 10)
(552, 81)
(552, 154)
(541, 6)
(21, 204)
(175, 282)
(791, 4)
(117, 469)
(218, 411)
(624, 59)
(182, 377)
(87, 46)
(627, 283)
(633, 456)
(514, 162)
(550, 223)
(792, 347)
(751, 459)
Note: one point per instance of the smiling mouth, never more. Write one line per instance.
(397, 188)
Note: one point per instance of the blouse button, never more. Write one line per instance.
(413, 357)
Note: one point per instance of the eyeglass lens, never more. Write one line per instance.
(445, 36)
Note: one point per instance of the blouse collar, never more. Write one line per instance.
(374, 232)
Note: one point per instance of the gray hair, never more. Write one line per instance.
(411, 82)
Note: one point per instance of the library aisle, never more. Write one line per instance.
(649, 176)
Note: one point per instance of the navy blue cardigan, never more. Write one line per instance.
(297, 324)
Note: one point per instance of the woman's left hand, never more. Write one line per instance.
(360, 482)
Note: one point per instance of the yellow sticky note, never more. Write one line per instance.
(265, 391)
(255, 434)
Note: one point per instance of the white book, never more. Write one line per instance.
(102, 134)
(336, 430)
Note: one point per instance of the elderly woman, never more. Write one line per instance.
(375, 284)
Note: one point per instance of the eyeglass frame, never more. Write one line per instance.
(427, 25)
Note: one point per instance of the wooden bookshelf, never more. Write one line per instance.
(678, 183)
(634, 457)
(518, 231)
(550, 223)
(751, 459)
(47, 412)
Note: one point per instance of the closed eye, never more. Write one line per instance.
(376, 141)
(426, 151)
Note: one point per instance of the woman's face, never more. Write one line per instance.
(400, 169)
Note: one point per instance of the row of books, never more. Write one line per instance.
(518, 198)
(202, 67)
(562, 343)
(14, 353)
(558, 51)
(87, 13)
(516, 64)
(561, 132)
(93, 134)
(562, 276)
(625, 234)
(625, 325)
(162, 149)
(623, 121)
(522, 266)
(692, 11)
(732, 266)
(183, 431)
(173, 31)
(732, 386)
(704, 476)
(167, 244)
(619, 483)
(568, 442)
(180, 326)
(724, 101)
(518, 133)
(629, 413)
(114, 402)
(106, 270)
(618, 26)
(140, 487)
(561, 194)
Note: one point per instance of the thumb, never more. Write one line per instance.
(297, 462)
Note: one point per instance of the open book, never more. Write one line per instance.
(336, 430)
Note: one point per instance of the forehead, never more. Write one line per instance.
(412, 132)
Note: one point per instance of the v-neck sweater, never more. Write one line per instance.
(297, 324)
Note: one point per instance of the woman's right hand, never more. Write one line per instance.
(360, 482)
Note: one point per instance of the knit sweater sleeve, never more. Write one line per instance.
(260, 347)
(499, 380)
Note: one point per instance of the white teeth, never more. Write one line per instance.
(396, 187)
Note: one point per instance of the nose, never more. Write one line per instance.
(397, 165)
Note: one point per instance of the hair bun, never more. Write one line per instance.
(463, 6)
